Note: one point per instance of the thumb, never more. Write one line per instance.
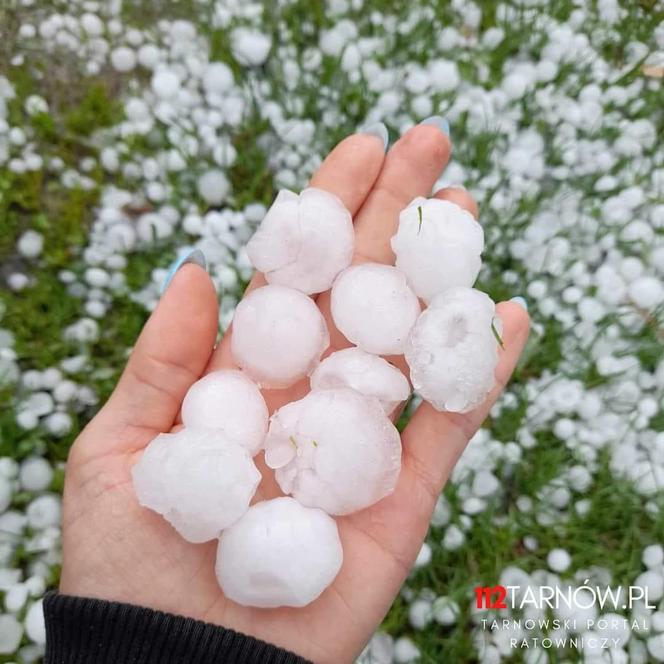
(170, 354)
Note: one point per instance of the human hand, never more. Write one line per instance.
(116, 550)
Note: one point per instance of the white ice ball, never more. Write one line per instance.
(304, 241)
(36, 474)
(438, 246)
(646, 292)
(35, 627)
(558, 560)
(374, 308)
(217, 78)
(44, 512)
(334, 449)
(365, 373)
(278, 335)
(30, 244)
(165, 83)
(198, 480)
(229, 401)
(123, 58)
(213, 187)
(250, 47)
(11, 632)
(452, 351)
(279, 553)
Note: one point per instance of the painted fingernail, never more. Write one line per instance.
(377, 129)
(439, 122)
(521, 301)
(196, 256)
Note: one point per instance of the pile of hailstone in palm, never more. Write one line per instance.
(337, 450)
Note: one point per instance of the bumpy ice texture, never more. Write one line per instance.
(229, 401)
(365, 373)
(374, 308)
(334, 449)
(452, 351)
(198, 480)
(304, 241)
(279, 553)
(278, 336)
(438, 245)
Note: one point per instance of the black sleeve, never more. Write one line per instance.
(91, 631)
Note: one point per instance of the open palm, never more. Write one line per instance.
(116, 550)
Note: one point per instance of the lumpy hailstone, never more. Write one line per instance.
(304, 241)
(278, 336)
(198, 480)
(452, 351)
(438, 245)
(334, 449)
(374, 308)
(279, 553)
(229, 401)
(365, 373)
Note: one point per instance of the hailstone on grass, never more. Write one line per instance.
(437, 246)
(452, 350)
(279, 335)
(374, 308)
(229, 401)
(279, 553)
(368, 374)
(334, 449)
(197, 479)
(304, 241)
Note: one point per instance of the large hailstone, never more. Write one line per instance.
(365, 373)
(304, 241)
(334, 449)
(229, 401)
(374, 308)
(278, 336)
(279, 553)
(452, 351)
(438, 245)
(198, 480)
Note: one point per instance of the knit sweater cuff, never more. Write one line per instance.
(92, 631)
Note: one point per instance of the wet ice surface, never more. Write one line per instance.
(279, 553)
(334, 449)
(230, 401)
(304, 241)
(374, 308)
(197, 479)
(368, 374)
(452, 351)
(278, 335)
(438, 246)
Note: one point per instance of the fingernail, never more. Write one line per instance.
(439, 122)
(521, 301)
(196, 256)
(460, 187)
(377, 129)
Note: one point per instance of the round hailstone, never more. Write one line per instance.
(438, 246)
(279, 553)
(335, 449)
(123, 58)
(11, 632)
(278, 336)
(229, 401)
(452, 351)
(250, 47)
(30, 244)
(217, 78)
(213, 187)
(35, 627)
(304, 241)
(198, 480)
(165, 83)
(365, 373)
(374, 308)
(36, 474)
